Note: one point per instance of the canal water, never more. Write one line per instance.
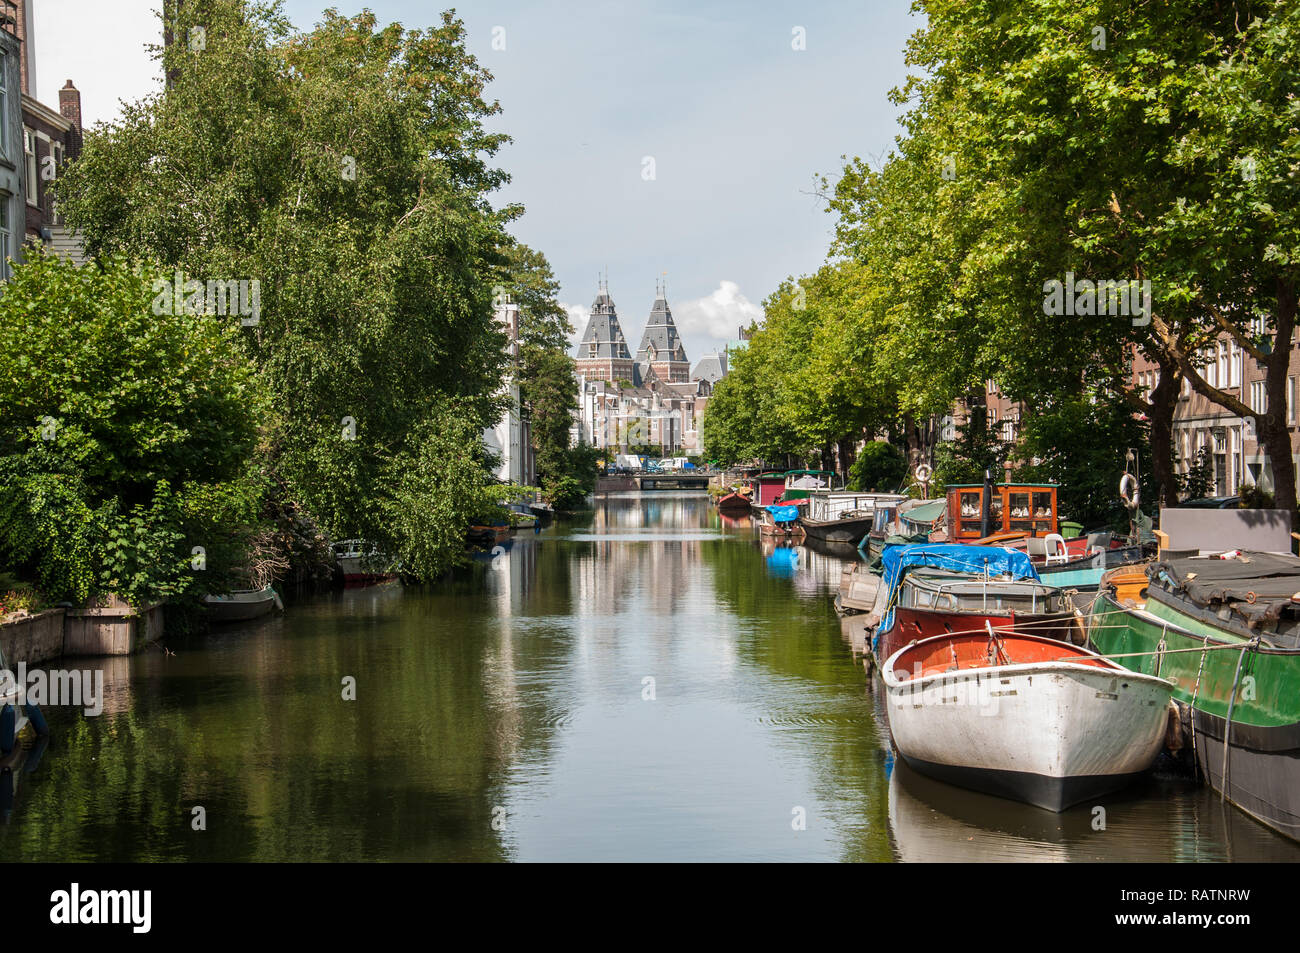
(646, 682)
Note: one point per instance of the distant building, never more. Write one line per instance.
(510, 439)
(654, 399)
(44, 140)
(661, 348)
(603, 353)
(711, 367)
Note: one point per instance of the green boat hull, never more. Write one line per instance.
(1261, 774)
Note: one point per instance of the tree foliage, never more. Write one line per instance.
(346, 169)
(125, 436)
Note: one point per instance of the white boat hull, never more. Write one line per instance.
(1050, 733)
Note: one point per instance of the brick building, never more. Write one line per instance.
(1236, 457)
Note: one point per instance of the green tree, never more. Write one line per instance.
(878, 466)
(345, 168)
(125, 436)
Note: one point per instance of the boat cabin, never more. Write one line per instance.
(940, 591)
(799, 484)
(768, 488)
(1026, 509)
(829, 505)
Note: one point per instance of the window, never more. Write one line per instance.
(1258, 399)
(6, 240)
(993, 415)
(1222, 370)
(4, 102)
(1208, 369)
(1234, 365)
(29, 153)
(1290, 400)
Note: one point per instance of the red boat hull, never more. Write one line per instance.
(911, 625)
(734, 503)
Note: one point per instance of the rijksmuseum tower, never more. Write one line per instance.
(604, 355)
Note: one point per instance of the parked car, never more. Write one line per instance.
(1214, 503)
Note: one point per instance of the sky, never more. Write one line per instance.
(676, 140)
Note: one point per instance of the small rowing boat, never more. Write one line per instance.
(1023, 717)
(241, 605)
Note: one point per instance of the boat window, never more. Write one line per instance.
(1043, 511)
(1020, 511)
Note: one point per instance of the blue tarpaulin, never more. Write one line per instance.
(953, 557)
(784, 514)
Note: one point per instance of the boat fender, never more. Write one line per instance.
(1128, 490)
(36, 719)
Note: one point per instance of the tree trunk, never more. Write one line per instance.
(1160, 415)
(1273, 433)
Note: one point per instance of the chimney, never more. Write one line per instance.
(70, 104)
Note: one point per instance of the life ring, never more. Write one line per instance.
(1128, 490)
(923, 473)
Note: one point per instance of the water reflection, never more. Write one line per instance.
(646, 682)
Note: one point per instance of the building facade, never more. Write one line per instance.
(12, 182)
(651, 400)
(510, 439)
(1236, 457)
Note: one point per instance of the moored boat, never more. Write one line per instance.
(361, 562)
(781, 521)
(735, 503)
(1022, 716)
(241, 605)
(1226, 632)
(944, 588)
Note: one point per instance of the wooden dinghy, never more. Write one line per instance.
(1023, 717)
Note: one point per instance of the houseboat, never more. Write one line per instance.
(1214, 625)
(843, 516)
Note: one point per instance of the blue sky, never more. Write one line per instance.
(737, 122)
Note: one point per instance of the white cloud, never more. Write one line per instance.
(578, 319)
(709, 322)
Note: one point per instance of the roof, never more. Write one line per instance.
(604, 331)
(1257, 587)
(1013, 486)
(926, 512)
(660, 342)
(711, 367)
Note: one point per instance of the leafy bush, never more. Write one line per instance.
(1254, 498)
(878, 466)
(124, 436)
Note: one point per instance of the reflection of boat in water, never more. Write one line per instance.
(930, 821)
(781, 558)
(23, 760)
